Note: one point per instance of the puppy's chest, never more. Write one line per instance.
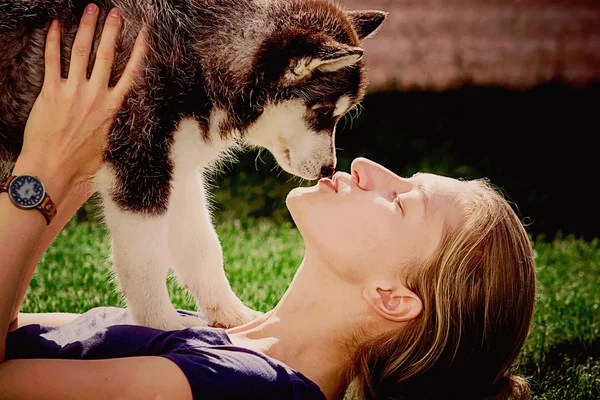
(199, 146)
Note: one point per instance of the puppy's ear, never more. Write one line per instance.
(366, 22)
(332, 56)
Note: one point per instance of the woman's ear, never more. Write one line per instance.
(398, 304)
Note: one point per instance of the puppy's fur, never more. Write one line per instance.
(218, 73)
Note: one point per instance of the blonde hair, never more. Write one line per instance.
(478, 292)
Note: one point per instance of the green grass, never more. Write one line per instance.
(561, 357)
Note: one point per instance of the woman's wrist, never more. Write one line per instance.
(57, 182)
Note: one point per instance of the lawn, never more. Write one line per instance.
(561, 357)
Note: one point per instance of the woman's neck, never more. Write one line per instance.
(308, 329)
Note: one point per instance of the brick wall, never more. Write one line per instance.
(438, 44)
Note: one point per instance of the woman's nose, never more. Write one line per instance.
(363, 171)
(370, 175)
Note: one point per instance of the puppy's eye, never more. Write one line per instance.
(323, 110)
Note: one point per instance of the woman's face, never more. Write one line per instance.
(373, 221)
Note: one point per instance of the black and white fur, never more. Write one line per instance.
(218, 74)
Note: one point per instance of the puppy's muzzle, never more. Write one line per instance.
(327, 171)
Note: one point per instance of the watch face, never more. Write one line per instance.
(26, 191)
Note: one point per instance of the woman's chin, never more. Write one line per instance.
(298, 202)
(300, 192)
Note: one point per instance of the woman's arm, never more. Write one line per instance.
(68, 208)
(18, 238)
(119, 378)
(63, 143)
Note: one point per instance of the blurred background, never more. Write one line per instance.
(508, 90)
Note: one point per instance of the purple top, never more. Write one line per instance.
(214, 367)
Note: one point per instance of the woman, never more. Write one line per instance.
(415, 288)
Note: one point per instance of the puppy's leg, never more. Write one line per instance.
(141, 261)
(197, 255)
(136, 184)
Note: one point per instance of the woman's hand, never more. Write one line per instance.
(66, 133)
(65, 137)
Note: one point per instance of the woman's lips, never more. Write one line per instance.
(329, 183)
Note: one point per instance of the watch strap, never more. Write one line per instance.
(5, 182)
(46, 207)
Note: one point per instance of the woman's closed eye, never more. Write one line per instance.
(398, 200)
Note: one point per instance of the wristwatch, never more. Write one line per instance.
(27, 192)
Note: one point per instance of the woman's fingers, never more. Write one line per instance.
(133, 65)
(52, 55)
(80, 53)
(106, 50)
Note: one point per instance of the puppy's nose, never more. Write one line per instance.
(327, 171)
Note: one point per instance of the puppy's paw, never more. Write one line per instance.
(230, 316)
(171, 322)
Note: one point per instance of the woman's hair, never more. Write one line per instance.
(478, 291)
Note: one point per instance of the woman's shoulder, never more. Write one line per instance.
(215, 366)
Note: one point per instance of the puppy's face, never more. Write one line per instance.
(312, 82)
(301, 134)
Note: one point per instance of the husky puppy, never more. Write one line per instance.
(277, 74)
